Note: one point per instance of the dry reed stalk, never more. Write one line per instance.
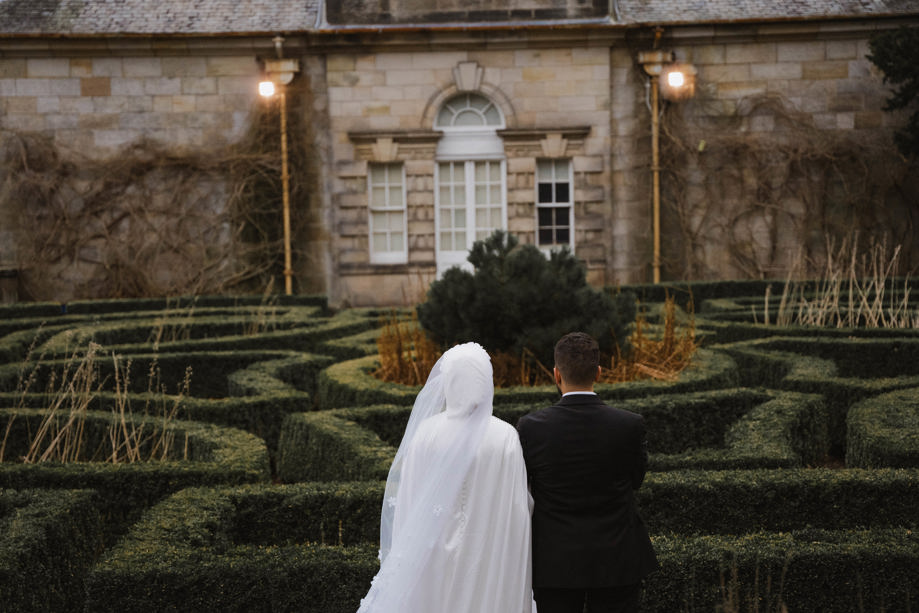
(852, 291)
(406, 353)
(61, 434)
(74, 395)
(662, 358)
(265, 314)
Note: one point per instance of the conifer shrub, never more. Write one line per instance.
(519, 301)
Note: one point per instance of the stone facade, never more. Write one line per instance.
(555, 103)
(98, 104)
(563, 74)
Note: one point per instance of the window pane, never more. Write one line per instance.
(561, 192)
(377, 173)
(545, 216)
(495, 218)
(563, 235)
(545, 237)
(543, 171)
(494, 172)
(378, 196)
(561, 216)
(495, 194)
(468, 118)
(545, 193)
(445, 117)
(378, 242)
(398, 242)
(395, 196)
(481, 194)
(459, 218)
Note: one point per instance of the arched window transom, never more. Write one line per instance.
(469, 111)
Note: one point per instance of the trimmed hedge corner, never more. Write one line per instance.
(199, 551)
(884, 431)
(48, 541)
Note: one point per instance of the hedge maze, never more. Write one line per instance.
(784, 464)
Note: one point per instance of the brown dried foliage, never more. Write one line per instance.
(151, 220)
(661, 357)
(407, 355)
(744, 191)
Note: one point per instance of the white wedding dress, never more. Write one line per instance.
(455, 529)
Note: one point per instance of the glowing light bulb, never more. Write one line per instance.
(676, 79)
(266, 88)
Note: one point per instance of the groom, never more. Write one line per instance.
(584, 460)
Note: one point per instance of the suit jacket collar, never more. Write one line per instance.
(578, 400)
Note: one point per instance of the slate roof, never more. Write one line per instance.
(720, 11)
(215, 17)
(181, 17)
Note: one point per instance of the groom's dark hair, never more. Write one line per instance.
(577, 356)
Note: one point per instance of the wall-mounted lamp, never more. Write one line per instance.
(674, 81)
(280, 72)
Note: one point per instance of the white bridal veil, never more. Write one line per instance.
(428, 494)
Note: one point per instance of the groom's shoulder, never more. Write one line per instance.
(538, 415)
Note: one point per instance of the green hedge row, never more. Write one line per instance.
(97, 308)
(742, 501)
(208, 371)
(803, 570)
(242, 549)
(327, 446)
(784, 363)
(720, 429)
(298, 372)
(48, 542)
(884, 431)
(202, 454)
(247, 548)
(260, 415)
(351, 383)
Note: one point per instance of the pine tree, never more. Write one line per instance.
(896, 53)
(520, 300)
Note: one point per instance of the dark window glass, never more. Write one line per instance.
(545, 192)
(561, 192)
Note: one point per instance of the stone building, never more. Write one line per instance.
(428, 125)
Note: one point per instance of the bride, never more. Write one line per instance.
(455, 526)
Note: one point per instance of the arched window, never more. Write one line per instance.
(469, 110)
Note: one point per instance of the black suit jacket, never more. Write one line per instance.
(584, 461)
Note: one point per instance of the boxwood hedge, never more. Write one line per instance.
(243, 549)
(884, 430)
(214, 454)
(48, 541)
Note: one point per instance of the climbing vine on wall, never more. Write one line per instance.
(150, 220)
(750, 194)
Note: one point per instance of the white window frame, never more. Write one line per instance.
(468, 145)
(453, 257)
(549, 247)
(389, 256)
